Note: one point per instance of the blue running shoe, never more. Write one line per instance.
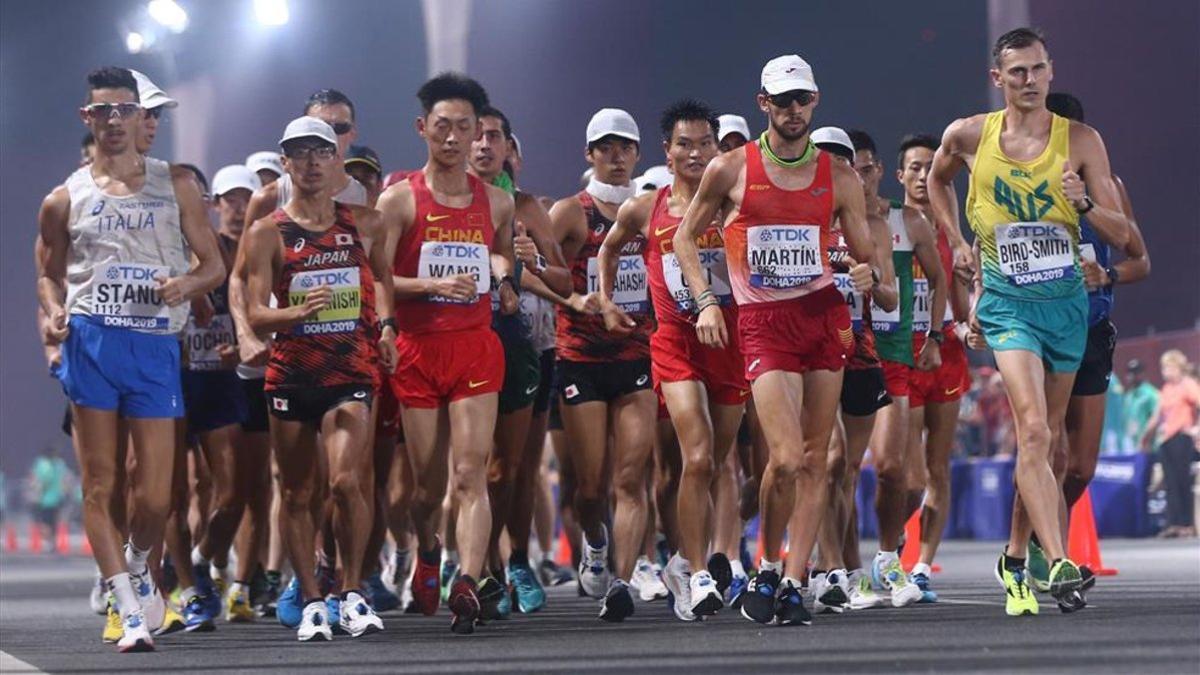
(290, 608)
(333, 605)
(207, 589)
(530, 595)
(382, 600)
(921, 581)
(196, 617)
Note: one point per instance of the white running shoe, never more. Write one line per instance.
(98, 598)
(705, 598)
(861, 595)
(677, 578)
(357, 616)
(151, 601)
(647, 579)
(314, 623)
(890, 576)
(136, 637)
(594, 577)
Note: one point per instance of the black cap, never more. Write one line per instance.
(361, 153)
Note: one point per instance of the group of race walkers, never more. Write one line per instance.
(352, 357)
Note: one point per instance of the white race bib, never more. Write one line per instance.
(342, 314)
(783, 256)
(125, 295)
(629, 288)
(1087, 252)
(202, 343)
(854, 299)
(712, 262)
(883, 321)
(446, 259)
(1035, 253)
(921, 299)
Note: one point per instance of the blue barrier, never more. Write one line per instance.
(1119, 496)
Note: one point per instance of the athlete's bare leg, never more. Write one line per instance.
(296, 450)
(567, 492)
(503, 468)
(472, 422)
(727, 526)
(858, 436)
(756, 462)
(427, 435)
(400, 492)
(890, 444)
(222, 450)
(668, 470)
(345, 433)
(528, 485)
(586, 427)
(633, 442)
(254, 484)
(832, 534)
(178, 536)
(1084, 428)
(941, 419)
(383, 453)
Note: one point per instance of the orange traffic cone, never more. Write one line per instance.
(35, 537)
(911, 554)
(62, 539)
(1083, 545)
(563, 559)
(10, 539)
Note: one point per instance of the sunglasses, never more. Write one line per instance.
(342, 128)
(785, 99)
(155, 113)
(107, 111)
(304, 153)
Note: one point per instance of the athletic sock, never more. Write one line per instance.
(796, 583)
(1011, 563)
(198, 558)
(135, 558)
(274, 577)
(239, 587)
(735, 566)
(765, 565)
(922, 568)
(122, 590)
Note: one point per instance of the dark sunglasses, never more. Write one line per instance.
(785, 99)
(155, 113)
(342, 128)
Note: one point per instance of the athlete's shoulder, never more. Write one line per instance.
(637, 210)
(567, 207)
(919, 227)
(964, 132)
(397, 196)
(57, 202)
(1081, 134)
(498, 196)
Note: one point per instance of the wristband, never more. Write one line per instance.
(386, 323)
(936, 335)
(1088, 205)
(540, 264)
(1114, 277)
(706, 301)
(508, 279)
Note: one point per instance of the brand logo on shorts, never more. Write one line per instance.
(642, 380)
(343, 240)
(475, 385)
(1003, 337)
(360, 394)
(951, 392)
(299, 245)
(879, 397)
(530, 390)
(279, 403)
(753, 365)
(571, 391)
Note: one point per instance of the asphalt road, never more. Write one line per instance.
(1145, 620)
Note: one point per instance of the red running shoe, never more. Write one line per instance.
(464, 604)
(426, 589)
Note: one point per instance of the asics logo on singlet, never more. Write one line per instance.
(1023, 205)
(299, 245)
(430, 218)
(98, 208)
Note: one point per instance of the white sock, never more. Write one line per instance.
(735, 565)
(765, 565)
(122, 590)
(882, 558)
(796, 584)
(197, 558)
(922, 568)
(135, 558)
(238, 587)
(450, 555)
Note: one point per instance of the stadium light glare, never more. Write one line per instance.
(134, 42)
(168, 13)
(271, 12)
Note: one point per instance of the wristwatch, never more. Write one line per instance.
(540, 264)
(1088, 205)
(1114, 277)
(386, 323)
(936, 335)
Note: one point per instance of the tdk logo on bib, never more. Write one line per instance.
(130, 273)
(785, 234)
(331, 278)
(458, 251)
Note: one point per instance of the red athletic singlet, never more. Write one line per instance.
(337, 346)
(583, 337)
(444, 241)
(673, 301)
(778, 245)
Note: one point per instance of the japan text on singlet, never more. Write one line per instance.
(673, 301)
(444, 241)
(1027, 229)
(121, 247)
(583, 337)
(337, 346)
(777, 247)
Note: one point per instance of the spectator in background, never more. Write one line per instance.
(1175, 423)
(49, 482)
(997, 415)
(1141, 400)
(1112, 441)
(970, 434)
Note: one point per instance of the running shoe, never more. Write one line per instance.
(1065, 581)
(491, 593)
(259, 587)
(172, 623)
(721, 570)
(594, 578)
(921, 581)
(1037, 568)
(552, 574)
(314, 622)
(617, 604)
(136, 636)
(1088, 577)
(677, 577)
(448, 573)
(382, 599)
(789, 607)
(425, 588)
(861, 595)
(738, 588)
(207, 589)
(290, 609)
(154, 606)
(267, 603)
(113, 628)
(1019, 600)
(397, 569)
(196, 615)
(889, 575)
(356, 616)
(758, 602)
(464, 605)
(98, 598)
(705, 594)
(333, 608)
(829, 592)
(528, 592)
(237, 605)
(647, 580)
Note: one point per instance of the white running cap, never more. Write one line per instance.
(149, 95)
(305, 127)
(832, 136)
(612, 122)
(265, 159)
(732, 124)
(654, 178)
(787, 73)
(233, 177)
